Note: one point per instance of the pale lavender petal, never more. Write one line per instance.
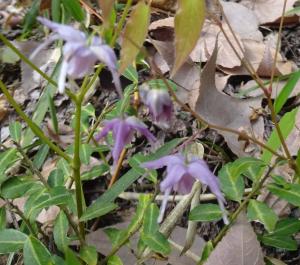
(81, 63)
(224, 214)
(67, 33)
(122, 134)
(200, 170)
(107, 55)
(174, 175)
(164, 205)
(161, 162)
(186, 183)
(62, 77)
(108, 126)
(140, 127)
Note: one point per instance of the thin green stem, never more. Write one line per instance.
(121, 23)
(76, 167)
(36, 130)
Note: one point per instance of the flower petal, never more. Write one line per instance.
(67, 33)
(108, 126)
(200, 170)
(140, 127)
(163, 161)
(44, 45)
(164, 205)
(62, 76)
(107, 55)
(174, 175)
(122, 134)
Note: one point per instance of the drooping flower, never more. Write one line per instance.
(123, 130)
(159, 103)
(79, 53)
(182, 174)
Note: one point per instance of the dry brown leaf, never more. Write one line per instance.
(187, 77)
(205, 46)
(46, 61)
(223, 110)
(238, 246)
(242, 20)
(267, 10)
(3, 107)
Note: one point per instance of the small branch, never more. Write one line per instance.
(172, 198)
(118, 168)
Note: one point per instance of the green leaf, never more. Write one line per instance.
(64, 166)
(85, 153)
(115, 235)
(134, 34)
(131, 74)
(286, 91)
(71, 258)
(261, 212)
(206, 213)
(89, 255)
(189, 20)
(283, 242)
(57, 196)
(287, 227)
(95, 172)
(291, 193)
(60, 231)
(16, 187)
(41, 156)
(150, 225)
(100, 210)
(286, 125)
(2, 218)
(15, 130)
(7, 158)
(11, 240)
(56, 260)
(56, 10)
(56, 178)
(8, 55)
(157, 243)
(231, 184)
(35, 253)
(74, 8)
(230, 176)
(208, 248)
(30, 16)
(114, 260)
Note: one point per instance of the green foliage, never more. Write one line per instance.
(11, 240)
(74, 8)
(60, 230)
(261, 212)
(97, 210)
(35, 253)
(189, 20)
(15, 130)
(134, 36)
(89, 255)
(206, 213)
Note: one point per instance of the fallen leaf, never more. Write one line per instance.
(228, 112)
(267, 10)
(238, 246)
(3, 107)
(242, 20)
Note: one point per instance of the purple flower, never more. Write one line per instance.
(182, 174)
(159, 103)
(80, 53)
(123, 130)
